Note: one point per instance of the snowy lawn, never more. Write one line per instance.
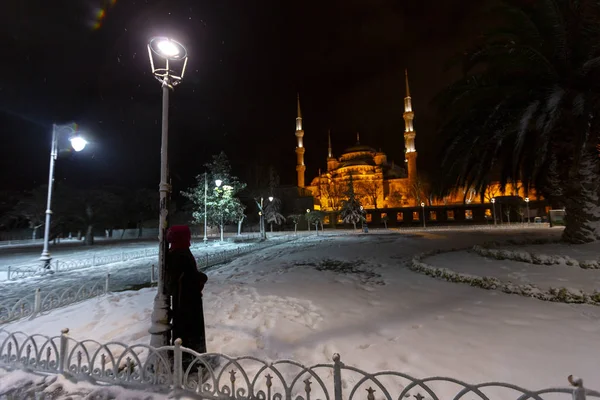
(354, 295)
(521, 273)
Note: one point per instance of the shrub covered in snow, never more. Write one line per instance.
(488, 250)
(562, 294)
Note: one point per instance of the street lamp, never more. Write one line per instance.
(307, 221)
(271, 223)
(169, 53)
(494, 209)
(423, 207)
(205, 239)
(527, 205)
(77, 143)
(219, 182)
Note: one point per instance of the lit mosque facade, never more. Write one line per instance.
(394, 191)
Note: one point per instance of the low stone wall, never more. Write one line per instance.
(562, 294)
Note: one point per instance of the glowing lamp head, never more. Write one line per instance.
(78, 143)
(308, 210)
(270, 198)
(422, 204)
(526, 199)
(168, 48)
(493, 200)
(218, 182)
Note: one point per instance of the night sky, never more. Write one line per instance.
(66, 61)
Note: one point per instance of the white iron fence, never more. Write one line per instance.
(14, 273)
(214, 376)
(39, 303)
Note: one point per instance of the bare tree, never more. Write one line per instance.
(368, 191)
(332, 194)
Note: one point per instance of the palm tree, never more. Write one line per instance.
(527, 108)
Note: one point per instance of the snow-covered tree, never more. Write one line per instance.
(527, 108)
(272, 214)
(315, 217)
(222, 203)
(351, 208)
(295, 218)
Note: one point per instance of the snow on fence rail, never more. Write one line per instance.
(215, 376)
(39, 304)
(14, 273)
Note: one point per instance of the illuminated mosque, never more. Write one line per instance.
(385, 187)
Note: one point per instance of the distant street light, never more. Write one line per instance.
(77, 143)
(494, 209)
(218, 183)
(169, 53)
(423, 207)
(307, 221)
(205, 239)
(270, 201)
(527, 205)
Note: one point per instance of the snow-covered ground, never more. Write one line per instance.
(354, 295)
(123, 275)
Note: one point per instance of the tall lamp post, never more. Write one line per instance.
(77, 143)
(270, 201)
(205, 239)
(218, 183)
(494, 209)
(170, 53)
(423, 207)
(527, 205)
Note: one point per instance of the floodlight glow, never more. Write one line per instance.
(78, 143)
(493, 200)
(526, 199)
(308, 210)
(270, 198)
(422, 204)
(218, 182)
(167, 48)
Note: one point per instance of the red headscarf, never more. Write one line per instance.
(179, 236)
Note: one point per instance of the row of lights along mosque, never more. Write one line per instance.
(385, 185)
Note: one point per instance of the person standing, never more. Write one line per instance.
(185, 284)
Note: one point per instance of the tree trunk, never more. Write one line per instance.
(354, 223)
(34, 234)
(295, 229)
(271, 227)
(385, 224)
(89, 235)
(582, 217)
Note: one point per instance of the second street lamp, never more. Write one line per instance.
(218, 183)
(494, 209)
(527, 205)
(77, 143)
(169, 54)
(423, 207)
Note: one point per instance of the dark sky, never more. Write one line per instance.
(247, 61)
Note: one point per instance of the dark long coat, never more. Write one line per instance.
(185, 287)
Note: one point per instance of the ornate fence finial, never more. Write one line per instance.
(579, 392)
(370, 395)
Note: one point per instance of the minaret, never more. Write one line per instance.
(409, 134)
(300, 167)
(332, 163)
